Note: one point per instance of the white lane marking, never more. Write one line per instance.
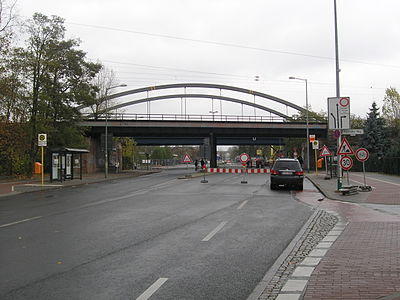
(243, 204)
(152, 289)
(379, 180)
(21, 221)
(214, 232)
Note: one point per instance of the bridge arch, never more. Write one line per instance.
(202, 85)
(180, 96)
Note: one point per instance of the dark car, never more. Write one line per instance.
(287, 171)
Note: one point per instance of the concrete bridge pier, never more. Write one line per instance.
(213, 150)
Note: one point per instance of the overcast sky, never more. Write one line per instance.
(151, 42)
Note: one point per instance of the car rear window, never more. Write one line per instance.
(287, 165)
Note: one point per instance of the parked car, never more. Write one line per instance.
(288, 172)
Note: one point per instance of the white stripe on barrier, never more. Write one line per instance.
(249, 171)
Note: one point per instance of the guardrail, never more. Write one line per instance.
(208, 118)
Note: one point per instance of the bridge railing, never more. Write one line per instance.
(179, 117)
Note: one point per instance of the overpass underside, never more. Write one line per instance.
(150, 132)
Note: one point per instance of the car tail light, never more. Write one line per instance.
(299, 173)
(274, 172)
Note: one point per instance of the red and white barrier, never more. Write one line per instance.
(249, 171)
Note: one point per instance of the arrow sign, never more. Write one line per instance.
(187, 159)
(345, 148)
(325, 152)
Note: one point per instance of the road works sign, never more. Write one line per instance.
(345, 148)
(339, 113)
(187, 159)
(325, 151)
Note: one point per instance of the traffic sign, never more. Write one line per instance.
(315, 145)
(345, 148)
(325, 151)
(339, 113)
(362, 154)
(187, 159)
(42, 140)
(352, 132)
(346, 163)
(336, 133)
(244, 158)
(312, 138)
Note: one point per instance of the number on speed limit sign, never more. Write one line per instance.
(362, 154)
(346, 162)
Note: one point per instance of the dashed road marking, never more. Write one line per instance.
(21, 221)
(242, 204)
(152, 289)
(214, 232)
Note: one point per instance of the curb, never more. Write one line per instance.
(261, 286)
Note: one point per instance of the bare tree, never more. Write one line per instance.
(8, 19)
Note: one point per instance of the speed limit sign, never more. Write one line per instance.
(346, 162)
(362, 154)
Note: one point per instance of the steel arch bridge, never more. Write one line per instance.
(185, 95)
(212, 132)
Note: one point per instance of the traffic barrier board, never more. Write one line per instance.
(345, 148)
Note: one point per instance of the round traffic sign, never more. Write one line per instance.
(362, 154)
(244, 158)
(336, 133)
(346, 162)
(344, 102)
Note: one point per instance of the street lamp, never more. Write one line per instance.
(213, 112)
(307, 129)
(106, 129)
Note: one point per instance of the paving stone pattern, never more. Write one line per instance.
(319, 227)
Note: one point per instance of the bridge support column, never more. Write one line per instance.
(213, 150)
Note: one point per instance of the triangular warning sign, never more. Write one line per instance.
(325, 152)
(187, 159)
(345, 148)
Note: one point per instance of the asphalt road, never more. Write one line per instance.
(149, 237)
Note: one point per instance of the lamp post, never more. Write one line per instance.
(106, 130)
(307, 129)
(213, 112)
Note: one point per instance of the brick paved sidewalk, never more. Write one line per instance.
(364, 262)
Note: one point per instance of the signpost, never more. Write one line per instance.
(315, 146)
(187, 160)
(346, 163)
(42, 142)
(324, 153)
(352, 132)
(339, 119)
(244, 158)
(362, 155)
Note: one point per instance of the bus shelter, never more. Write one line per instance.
(66, 163)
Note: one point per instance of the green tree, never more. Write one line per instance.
(374, 138)
(391, 105)
(57, 77)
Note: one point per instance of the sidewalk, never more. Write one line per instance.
(16, 186)
(364, 261)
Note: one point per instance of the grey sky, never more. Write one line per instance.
(290, 38)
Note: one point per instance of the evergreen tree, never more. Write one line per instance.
(374, 138)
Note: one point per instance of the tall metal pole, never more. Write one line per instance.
(307, 125)
(105, 140)
(339, 170)
(308, 131)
